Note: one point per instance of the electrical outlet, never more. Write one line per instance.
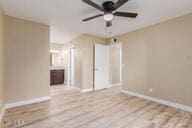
(150, 90)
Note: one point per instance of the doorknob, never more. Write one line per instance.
(96, 69)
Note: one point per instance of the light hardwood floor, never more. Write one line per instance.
(108, 108)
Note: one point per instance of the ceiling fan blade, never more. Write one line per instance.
(91, 3)
(93, 17)
(119, 3)
(109, 23)
(126, 14)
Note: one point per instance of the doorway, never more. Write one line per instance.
(115, 64)
(71, 67)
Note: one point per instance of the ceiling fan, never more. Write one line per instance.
(108, 8)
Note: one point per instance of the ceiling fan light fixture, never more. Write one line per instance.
(108, 17)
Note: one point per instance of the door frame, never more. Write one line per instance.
(121, 61)
(94, 68)
(69, 66)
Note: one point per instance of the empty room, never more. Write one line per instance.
(95, 64)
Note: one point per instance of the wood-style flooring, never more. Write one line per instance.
(109, 108)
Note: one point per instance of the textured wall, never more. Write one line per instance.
(160, 57)
(26, 60)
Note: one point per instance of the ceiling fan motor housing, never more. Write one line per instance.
(108, 6)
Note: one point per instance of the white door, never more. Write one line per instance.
(72, 66)
(101, 67)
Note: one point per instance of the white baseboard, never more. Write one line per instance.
(75, 87)
(164, 102)
(2, 114)
(114, 85)
(27, 102)
(87, 90)
(82, 90)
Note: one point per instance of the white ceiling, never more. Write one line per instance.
(64, 16)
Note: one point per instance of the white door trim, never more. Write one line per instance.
(69, 66)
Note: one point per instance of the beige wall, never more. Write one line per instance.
(114, 61)
(160, 57)
(1, 60)
(84, 59)
(26, 60)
